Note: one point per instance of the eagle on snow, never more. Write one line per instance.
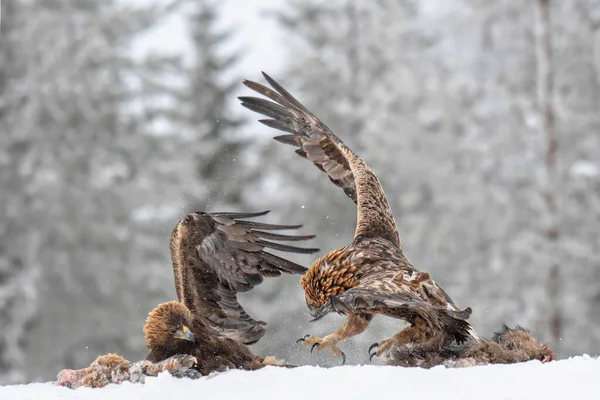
(370, 275)
(215, 256)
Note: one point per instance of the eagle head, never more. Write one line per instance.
(331, 275)
(168, 324)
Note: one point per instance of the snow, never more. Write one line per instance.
(585, 169)
(577, 377)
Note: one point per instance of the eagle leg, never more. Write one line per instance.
(419, 332)
(354, 325)
(382, 349)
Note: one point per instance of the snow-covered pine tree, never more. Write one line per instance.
(220, 162)
(19, 265)
(201, 113)
(576, 181)
(74, 178)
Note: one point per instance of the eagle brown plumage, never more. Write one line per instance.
(171, 329)
(371, 275)
(508, 346)
(215, 256)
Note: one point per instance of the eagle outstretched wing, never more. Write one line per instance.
(317, 143)
(216, 255)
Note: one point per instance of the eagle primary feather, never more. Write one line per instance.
(320, 145)
(371, 275)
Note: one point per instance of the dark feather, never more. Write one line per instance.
(259, 225)
(236, 215)
(289, 238)
(288, 139)
(265, 107)
(284, 247)
(279, 125)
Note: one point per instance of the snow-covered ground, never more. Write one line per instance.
(577, 377)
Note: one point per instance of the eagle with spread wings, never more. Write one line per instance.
(371, 275)
(215, 256)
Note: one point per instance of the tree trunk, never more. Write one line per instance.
(545, 79)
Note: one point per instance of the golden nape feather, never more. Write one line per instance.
(320, 284)
(370, 275)
(162, 320)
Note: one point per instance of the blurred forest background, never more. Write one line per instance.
(481, 119)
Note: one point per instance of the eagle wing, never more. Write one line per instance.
(317, 143)
(377, 300)
(217, 255)
(388, 284)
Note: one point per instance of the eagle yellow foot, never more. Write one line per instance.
(320, 344)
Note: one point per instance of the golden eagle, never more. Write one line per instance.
(371, 275)
(215, 256)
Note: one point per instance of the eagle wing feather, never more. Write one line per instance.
(317, 143)
(217, 255)
(403, 305)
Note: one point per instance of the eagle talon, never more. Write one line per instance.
(374, 353)
(371, 357)
(320, 344)
(302, 339)
(373, 350)
(380, 349)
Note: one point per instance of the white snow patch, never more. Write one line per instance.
(577, 377)
(586, 169)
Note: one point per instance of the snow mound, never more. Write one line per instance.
(577, 377)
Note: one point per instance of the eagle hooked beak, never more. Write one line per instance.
(316, 313)
(185, 333)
